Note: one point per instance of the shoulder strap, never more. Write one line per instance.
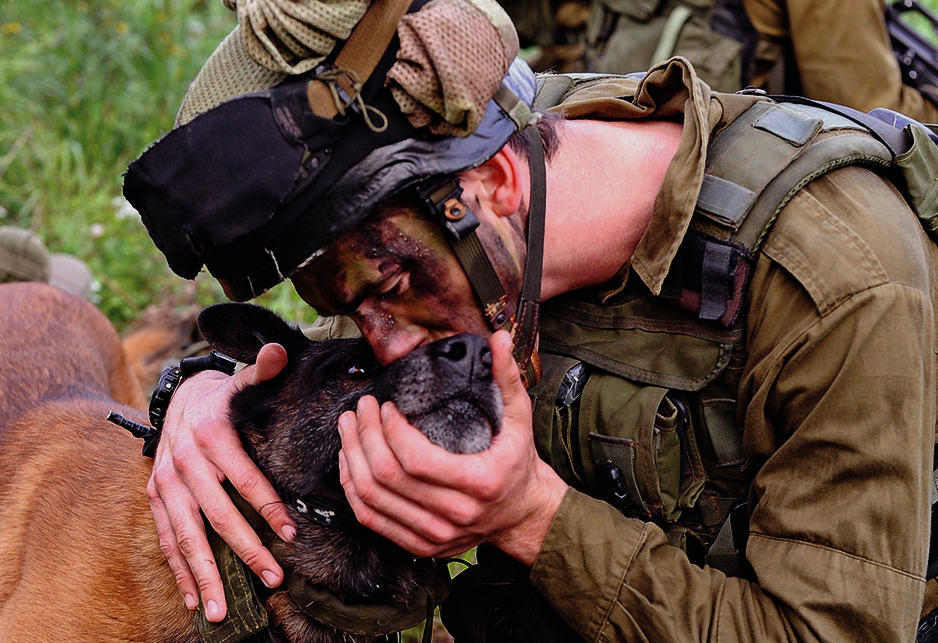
(763, 158)
(755, 166)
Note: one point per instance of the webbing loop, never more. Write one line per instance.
(669, 35)
(360, 54)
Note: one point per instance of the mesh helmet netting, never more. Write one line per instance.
(454, 53)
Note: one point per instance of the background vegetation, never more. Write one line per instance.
(85, 86)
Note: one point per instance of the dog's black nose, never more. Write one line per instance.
(469, 353)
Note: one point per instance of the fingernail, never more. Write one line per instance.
(211, 611)
(270, 578)
(191, 602)
(289, 533)
(343, 423)
(385, 411)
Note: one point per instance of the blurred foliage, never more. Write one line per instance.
(84, 88)
(919, 22)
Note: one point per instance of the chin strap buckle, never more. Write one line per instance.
(443, 198)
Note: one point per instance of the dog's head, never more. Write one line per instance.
(445, 389)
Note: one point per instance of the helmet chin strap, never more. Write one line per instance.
(524, 332)
(520, 317)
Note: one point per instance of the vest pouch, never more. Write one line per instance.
(555, 402)
(626, 36)
(647, 436)
(640, 10)
(917, 170)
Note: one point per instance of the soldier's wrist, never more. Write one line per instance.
(169, 382)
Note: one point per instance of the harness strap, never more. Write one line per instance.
(669, 35)
(246, 619)
(359, 56)
(522, 317)
(444, 200)
(527, 321)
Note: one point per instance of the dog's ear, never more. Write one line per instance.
(239, 331)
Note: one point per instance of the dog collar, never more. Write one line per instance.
(247, 619)
(322, 512)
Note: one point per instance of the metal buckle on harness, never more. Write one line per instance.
(443, 201)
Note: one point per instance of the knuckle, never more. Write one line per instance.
(205, 583)
(220, 519)
(170, 551)
(489, 488)
(246, 482)
(272, 511)
(153, 492)
(385, 470)
(413, 462)
(161, 478)
(253, 557)
(208, 434)
(182, 578)
(188, 543)
(367, 492)
(367, 518)
(464, 515)
(443, 536)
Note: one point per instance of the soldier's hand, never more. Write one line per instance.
(435, 503)
(198, 450)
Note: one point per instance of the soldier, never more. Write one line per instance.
(729, 349)
(833, 51)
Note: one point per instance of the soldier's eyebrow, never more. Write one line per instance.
(368, 283)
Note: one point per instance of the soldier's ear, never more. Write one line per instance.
(500, 183)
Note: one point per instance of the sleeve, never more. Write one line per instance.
(838, 400)
(842, 52)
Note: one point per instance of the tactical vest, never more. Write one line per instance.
(638, 399)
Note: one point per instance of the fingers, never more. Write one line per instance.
(517, 404)
(407, 518)
(168, 544)
(182, 536)
(198, 450)
(271, 359)
(435, 503)
(241, 471)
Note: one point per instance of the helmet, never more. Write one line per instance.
(256, 186)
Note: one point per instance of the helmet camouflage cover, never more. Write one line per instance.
(255, 179)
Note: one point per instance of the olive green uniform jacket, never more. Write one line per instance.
(837, 403)
(842, 53)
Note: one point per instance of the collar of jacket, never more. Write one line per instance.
(670, 90)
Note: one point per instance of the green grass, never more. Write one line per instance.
(84, 88)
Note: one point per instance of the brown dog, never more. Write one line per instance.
(79, 550)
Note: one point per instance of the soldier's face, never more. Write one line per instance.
(398, 279)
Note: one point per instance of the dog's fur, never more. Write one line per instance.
(80, 556)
